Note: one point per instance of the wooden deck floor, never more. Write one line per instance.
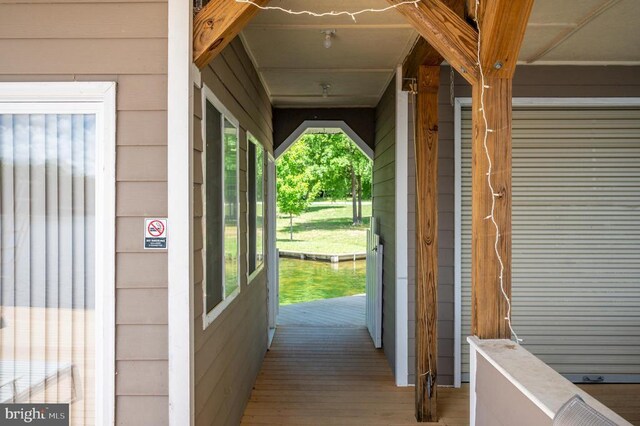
(334, 376)
(336, 312)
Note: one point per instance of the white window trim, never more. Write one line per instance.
(208, 96)
(251, 275)
(271, 259)
(97, 98)
(467, 102)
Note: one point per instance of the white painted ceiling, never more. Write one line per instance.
(292, 62)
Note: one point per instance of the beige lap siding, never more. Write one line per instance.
(384, 211)
(125, 42)
(229, 353)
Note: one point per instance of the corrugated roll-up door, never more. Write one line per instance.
(576, 238)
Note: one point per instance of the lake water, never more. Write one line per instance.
(306, 280)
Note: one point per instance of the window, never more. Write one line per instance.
(255, 171)
(221, 208)
(57, 246)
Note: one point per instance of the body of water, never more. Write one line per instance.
(305, 280)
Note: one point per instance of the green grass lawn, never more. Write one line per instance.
(326, 228)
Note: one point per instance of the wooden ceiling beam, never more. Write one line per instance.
(502, 27)
(423, 53)
(449, 34)
(217, 24)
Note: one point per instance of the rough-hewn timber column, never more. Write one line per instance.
(427, 242)
(489, 306)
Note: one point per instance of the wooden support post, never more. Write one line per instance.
(502, 26)
(426, 159)
(489, 306)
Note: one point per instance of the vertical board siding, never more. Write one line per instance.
(384, 212)
(229, 353)
(576, 270)
(125, 42)
(529, 81)
(533, 81)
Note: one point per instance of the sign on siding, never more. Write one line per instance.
(155, 233)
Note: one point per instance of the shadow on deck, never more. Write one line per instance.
(332, 375)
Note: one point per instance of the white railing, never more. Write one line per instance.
(509, 383)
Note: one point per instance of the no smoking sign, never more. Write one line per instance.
(155, 233)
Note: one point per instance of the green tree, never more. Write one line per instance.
(341, 168)
(296, 185)
(330, 164)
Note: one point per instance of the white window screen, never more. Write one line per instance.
(47, 250)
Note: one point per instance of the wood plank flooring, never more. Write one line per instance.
(334, 376)
(346, 311)
(624, 399)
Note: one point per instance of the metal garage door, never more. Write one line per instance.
(576, 238)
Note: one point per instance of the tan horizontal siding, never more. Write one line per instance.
(141, 270)
(84, 21)
(150, 410)
(125, 42)
(85, 56)
(142, 342)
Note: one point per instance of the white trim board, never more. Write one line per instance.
(402, 246)
(457, 248)
(97, 98)
(333, 124)
(466, 102)
(180, 91)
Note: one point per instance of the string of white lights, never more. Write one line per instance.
(491, 216)
(494, 195)
(352, 15)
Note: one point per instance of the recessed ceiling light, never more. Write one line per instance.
(328, 36)
(325, 89)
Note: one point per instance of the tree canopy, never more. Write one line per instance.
(325, 165)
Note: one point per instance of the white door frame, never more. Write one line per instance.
(97, 98)
(402, 245)
(466, 102)
(326, 124)
(272, 254)
(182, 77)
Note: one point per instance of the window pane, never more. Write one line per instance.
(47, 249)
(213, 208)
(259, 205)
(251, 169)
(230, 207)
